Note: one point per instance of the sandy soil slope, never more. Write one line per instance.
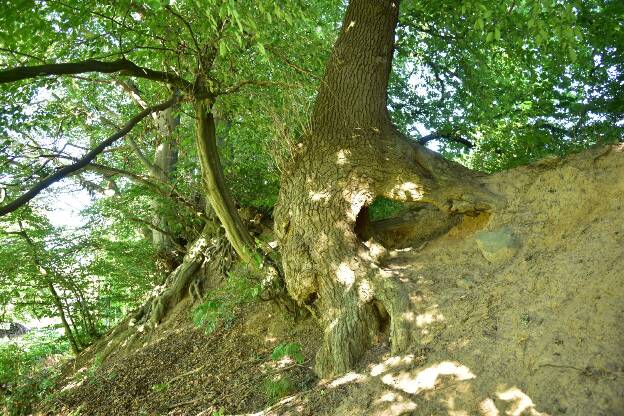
(520, 313)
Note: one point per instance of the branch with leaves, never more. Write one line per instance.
(121, 66)
(452, 137)
(85, 160)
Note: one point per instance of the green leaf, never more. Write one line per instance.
(479, 24)
(292, 350)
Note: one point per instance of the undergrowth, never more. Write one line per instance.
(288, 349)
(383, 208)
(278, 386)
(28, 371)
(219, 305)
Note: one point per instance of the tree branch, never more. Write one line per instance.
(123, 66)
(173, 237)
(239, 85)
(188, 26)
(84, 161)
(552, 128)
(443, 136)
(141, 180)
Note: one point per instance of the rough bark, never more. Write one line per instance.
(352, 155)
(220, 201)
(203, 268)
(165, 158)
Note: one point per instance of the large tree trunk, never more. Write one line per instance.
(352, 155)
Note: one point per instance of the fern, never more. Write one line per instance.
(277, 388)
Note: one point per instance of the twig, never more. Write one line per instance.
(173, 406)
(186, 374)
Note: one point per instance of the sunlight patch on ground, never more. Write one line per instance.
(520, 402)
(488, 408)
(77, 383)
(73, 384)
(397, 360)
(348, 378)
(429, 317)
(408, 316)
(427, 379)
(376, 250)
(397, 404)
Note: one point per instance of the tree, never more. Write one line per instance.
(354, 154)
(207, 69)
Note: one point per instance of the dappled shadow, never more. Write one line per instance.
(534, 332)
(399, 386)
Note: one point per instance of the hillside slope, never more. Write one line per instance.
(520, 313)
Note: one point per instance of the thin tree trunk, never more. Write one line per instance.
(59, 308)
(162, 167)
(353, 155)
(212, 171)
(165, 159)
(56, 299)
(87, 318)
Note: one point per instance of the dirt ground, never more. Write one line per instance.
(519, 312)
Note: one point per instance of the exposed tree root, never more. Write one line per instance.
(204, 267)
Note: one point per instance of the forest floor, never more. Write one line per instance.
(520, 313)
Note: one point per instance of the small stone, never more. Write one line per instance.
(497, 246)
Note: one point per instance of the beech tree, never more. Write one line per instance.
(207, 69)
(352, 155)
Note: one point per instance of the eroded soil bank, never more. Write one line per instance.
(520, 313)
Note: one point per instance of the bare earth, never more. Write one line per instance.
(537, 328)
